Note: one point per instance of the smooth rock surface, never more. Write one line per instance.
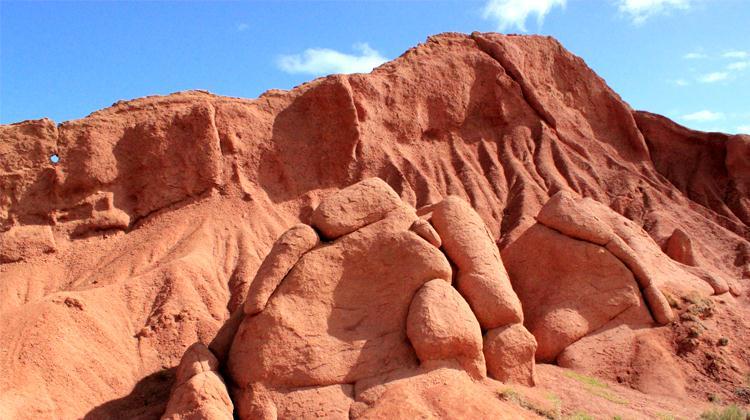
(340, 314)
(441, 326)
(355, 206)
(286, 251)
(481, 277)
(568, 287)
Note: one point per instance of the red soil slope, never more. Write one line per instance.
(147, 235)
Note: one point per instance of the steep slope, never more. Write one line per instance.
(147, 234)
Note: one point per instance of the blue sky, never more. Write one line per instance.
(687, 59)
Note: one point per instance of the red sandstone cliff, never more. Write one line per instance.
(147, 236)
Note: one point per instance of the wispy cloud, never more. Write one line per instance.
(736, 54)
(726, 72)
(514, 13)
(703, 116)
(694, 56)
(739, 65)
(321, 61)
(242, 27)
(744, 129)
(713, 77)
(680, 82)
(641, 10)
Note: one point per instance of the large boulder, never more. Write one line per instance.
(25, 241)
(340, 313)
(568, 287)
(354, 207)
(589, 220)
(680, 248)
(199, 392)
(441, 326)
(509, 352)
(286, 251)
(481, 278)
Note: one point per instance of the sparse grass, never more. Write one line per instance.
(672, 301)
(665, 416)
(597, 387)
(556, 404)
(586, 380)
(511, 395)
(580, 415)
(731, 412)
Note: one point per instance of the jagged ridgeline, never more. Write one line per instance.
(480, 228)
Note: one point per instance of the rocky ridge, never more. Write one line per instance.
(401, 243)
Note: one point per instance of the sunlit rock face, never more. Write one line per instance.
(427, 240)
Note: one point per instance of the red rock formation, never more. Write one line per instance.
(198, 391)
(148, 234)
(441, 326)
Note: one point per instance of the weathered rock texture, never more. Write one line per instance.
(148, 233)
(371, 302)
(441, 326)
(285, 253)
(509, 352)
(481, 278)
(199, 392)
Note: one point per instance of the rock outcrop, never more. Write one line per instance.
(441, 326)
(510, 352)
(286, 251)
(481, 276)
(546, 206)
(367, 303)
(568, 288)
(199, 392)
(355, 207)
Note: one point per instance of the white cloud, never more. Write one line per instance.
(513, 13)
(703, 116)
(242, 27)
(641, 10)
(680, 82)
(739, 65)
(743, 129)
(694, 56)
(735, 54)
(714, 77)
(321, 61)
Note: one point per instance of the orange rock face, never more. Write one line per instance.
(372, 245)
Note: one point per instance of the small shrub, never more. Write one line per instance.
(510, 394)
(743, 393)
(731, 412)
(714, 398)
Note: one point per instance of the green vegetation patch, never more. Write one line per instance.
(597, 387)
(731, 412)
